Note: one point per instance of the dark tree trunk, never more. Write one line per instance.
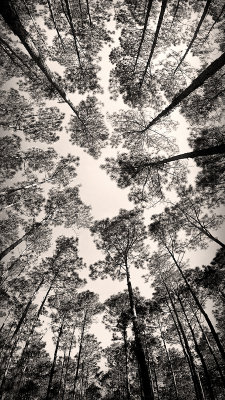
(195, 33)
(169, 360)
(145, 378)
(201, 309)
(79, 353)
(209, 151)
(209, 346)
(175, 12)
(54, 360)
(126, 362)
(89, 14)
(144, 30)
(160, 20)
(68, 362)
(198, 351)
(73, 31)
(198, 391)
(216, 20)
(12, 20)
(54, 22)
(196, 83)
(20, 240)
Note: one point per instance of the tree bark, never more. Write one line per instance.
(198, 351)
(145, 378)
(169, 360)
(54, 360)
(208, 2)
(12, 20)
(54, 22)
(126, 362)
(68, 361)
(73, 32)
(201, 309)
(79, 353)
(215, 66)
(160, 20)
(143, 32)
(217, 19)
(20, 240)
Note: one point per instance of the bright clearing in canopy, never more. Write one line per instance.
(112, 196)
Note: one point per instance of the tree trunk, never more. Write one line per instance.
(88, 11)
(201, 309)
(73, 31)
(169, 360)
(196, 83)
(217, 19)
(126, 362)
(68, 361)
(209, 151)
(195, 33)
(54, 22)
(25, 312)
(175, 13)
(12, 20)
(19, 241)
(54, 360)
(209, 346)
(145, 378)
(198, 351)
(195, 379)
(79, 353)
(143, 32)
(160, 20)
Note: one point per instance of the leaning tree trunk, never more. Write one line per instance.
(124, 333)
(54, 360)
(195, 33)
(169, 360)
(175, 12)
(201, 309)
(79, 354)
(140, 355)
(143, 32)
(160, 20)
(198, 351)
(73, 32)
(196, 83)
(20, 240)
(68, 362)
(12, 20)
(197, 387)
(54, 22)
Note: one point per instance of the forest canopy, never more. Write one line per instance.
(112, 175)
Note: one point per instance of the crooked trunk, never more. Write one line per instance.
(144, 373)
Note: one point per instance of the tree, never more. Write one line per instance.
(121, 239)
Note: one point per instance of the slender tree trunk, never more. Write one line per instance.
(54, 360)
(201, 309)
(73, 31)
(25, 312)
(209, 346)
(209, 151)
(88, 11)
(198, 351)
(175, 13)
(195, 379)
(79, 353)
(196, 83)
(126, 362)
(215, 22)
(145, 378)
(12, 20)
(61, 374)
(160, 20)
(169, 360)
(208, 2)
(143, 32)
(20, 240)
(68, 362)
(54, 22)
(81, 14)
